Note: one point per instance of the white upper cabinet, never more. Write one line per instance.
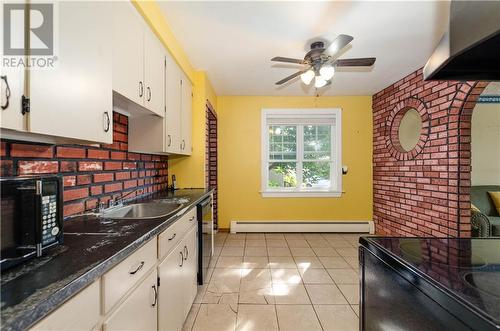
(107, 58)
(173, 106)
(186, 115)
(74, 99)
(128, 52)
(154, 78)
(11, 92)
(137, 59)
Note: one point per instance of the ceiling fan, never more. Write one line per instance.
(322, 61)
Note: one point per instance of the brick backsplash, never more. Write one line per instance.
(91, 173)
(426, 191)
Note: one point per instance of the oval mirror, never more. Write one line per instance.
(409, 129)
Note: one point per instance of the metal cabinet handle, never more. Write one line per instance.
(169, 140)
(107, 121)
(141, 89)
(183, 144)
(187, 252)
(7, 92)
(138, 268)
(169, 239)
(149, 93)
(182, 259)
(156, 296)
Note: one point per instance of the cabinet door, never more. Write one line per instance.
(139, 311)
(81, 312)
(173, 106)
(186, 115)
(11, 90)
(191, 267)
(74, 99)
(128, 51)
(171, 291)
(154, 78)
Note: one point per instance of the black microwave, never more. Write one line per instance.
(31, 217)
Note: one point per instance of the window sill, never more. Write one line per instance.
(301, 194)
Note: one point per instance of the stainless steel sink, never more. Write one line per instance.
(142, 211)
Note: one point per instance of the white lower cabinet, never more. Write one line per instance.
(139, 310)
(191, 268)
(139, 294)
(80, 313)
(126, 274)
(178, 285)
(170, 307)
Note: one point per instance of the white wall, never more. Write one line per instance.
(486, 144)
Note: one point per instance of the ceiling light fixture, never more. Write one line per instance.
(319, 82)
(321, 78)
(327, 71)
(307, 77)
(322, 60)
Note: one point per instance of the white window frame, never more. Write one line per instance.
(336, 136)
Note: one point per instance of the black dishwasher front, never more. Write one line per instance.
(205, 237)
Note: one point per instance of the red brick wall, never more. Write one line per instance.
(211, 156)
(91, 174)
(423, 192)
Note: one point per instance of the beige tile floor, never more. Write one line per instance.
(279, 281)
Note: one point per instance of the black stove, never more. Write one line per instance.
(430, 283)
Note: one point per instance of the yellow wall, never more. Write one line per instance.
(190, 171)
(239, 128)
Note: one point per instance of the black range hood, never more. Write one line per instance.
(470, 49)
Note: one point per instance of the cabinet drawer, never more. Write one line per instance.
(121, 278)
(171, 236)
(80, 313)
(187, 221)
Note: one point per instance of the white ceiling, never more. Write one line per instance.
(234, 41)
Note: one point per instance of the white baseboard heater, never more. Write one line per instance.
(303, 226)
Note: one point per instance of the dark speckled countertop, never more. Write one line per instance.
(91, 247)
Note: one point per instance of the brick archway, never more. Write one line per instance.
(460, 125)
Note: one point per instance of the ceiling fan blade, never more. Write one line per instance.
(287, 60)
(286, 79)
(340, 42)
(361, 62)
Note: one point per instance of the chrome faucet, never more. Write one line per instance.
(101, 207)
(113, 202)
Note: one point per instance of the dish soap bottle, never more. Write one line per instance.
(174, 183)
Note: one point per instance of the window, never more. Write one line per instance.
(301, 152)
